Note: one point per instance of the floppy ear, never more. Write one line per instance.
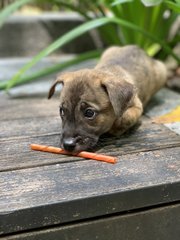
(120, 93)
(52, 89)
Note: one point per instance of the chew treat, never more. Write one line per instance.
(83, 154)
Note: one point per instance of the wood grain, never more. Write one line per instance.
(62, 193)
(160, 223)
(15, 152)
(40, 190)
(20, 108)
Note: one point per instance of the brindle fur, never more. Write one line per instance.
(118, 88)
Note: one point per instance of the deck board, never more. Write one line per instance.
(86, 189)
(15, 150)
(39, 189)
(133, 225)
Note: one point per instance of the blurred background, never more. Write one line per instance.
(34, 26)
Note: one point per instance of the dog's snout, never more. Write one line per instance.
(69, 144)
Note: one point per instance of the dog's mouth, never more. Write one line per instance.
(78, 144)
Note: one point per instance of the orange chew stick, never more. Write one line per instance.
(83, 154)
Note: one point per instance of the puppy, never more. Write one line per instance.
(109, 98)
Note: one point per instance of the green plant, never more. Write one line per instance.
(118, 22)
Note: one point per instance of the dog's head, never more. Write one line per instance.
(90, 102)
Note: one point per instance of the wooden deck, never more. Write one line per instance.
(49, 196)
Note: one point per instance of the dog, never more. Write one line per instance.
(109, 98)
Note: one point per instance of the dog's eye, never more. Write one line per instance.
(61, 111)
(89, 113)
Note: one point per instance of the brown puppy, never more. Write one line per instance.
(109, 98)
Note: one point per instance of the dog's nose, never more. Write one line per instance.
(69, 144)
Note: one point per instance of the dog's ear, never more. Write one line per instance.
(120, 94)
(53, 87)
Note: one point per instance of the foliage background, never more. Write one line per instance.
(147, 23)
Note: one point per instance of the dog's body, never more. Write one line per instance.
(109, 98)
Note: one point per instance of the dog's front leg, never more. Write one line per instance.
(129, 118)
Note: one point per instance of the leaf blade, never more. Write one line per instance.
(150, 3)
(57, 44)
(78, 31)
(55, 68)
(6, 12)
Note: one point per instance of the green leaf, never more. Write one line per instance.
(174, 6)
(3, 85)
(78, 31)
(7, 11)
(153, 49)
(72, 7)
(153, 38)
(55, 68)
(120, 2)
(149, 3)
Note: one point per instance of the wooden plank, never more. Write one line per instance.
(163, 102)
(60, 193)
(19, 134)
(9, 66)
(16, 153)
(25, 109)
(40, 87)
(19, 108)
(30, 127)
(160, 223)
